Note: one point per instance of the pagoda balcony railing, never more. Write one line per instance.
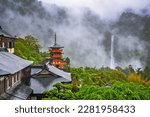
(56, 50)
(56, 56)
(56, 53)
(56, 59)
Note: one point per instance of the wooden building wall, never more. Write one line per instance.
(2, 84)
(6, 42)
(9, 81)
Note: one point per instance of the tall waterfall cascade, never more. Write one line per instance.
(112, 59)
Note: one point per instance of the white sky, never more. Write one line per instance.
(105, 8)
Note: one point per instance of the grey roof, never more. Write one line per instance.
(4, 33)
(53, 70)
(57, 46)
(35, 70)
(20, 92)
(12, 63)
(39, 85)
(2, 72)
(59, 72)
(45, 82)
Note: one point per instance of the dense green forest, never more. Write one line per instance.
(29, 49)
(103, 84)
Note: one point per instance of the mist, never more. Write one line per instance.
(106, 9)
(83, 27)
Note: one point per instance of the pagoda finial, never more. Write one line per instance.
(55, 39)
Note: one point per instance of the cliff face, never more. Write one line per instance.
(131, 23)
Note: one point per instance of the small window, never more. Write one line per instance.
(18, 76)
(10, 82)
(3, 44)
(15, 79)
(10, 45)
(7, 81)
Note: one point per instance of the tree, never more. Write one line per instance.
(101, 84)
(33, 42)
(118, 91)
(28, 48)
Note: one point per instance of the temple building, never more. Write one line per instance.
(56, 55)
(14, 71)
(19, 80)
(44, 77)
(14, 77)
(6, 41)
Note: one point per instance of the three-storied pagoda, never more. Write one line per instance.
(56, 55)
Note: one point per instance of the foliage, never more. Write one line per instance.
(147, 83)
(60, 91)
(67, 60)
(32, 43)
(133, 77)
(28, 48)
(118, 91)
(146, 73)
(45, 54)
(84, 76)
(101, 84)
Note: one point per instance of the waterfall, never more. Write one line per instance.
(112, 59)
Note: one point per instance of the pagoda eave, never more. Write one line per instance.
(55, 47)
(55, 59)
(56, 53)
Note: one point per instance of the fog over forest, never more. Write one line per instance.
(84, 28)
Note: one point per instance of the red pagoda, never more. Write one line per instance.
(56, 55)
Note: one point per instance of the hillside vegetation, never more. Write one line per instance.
(28, 48)
(103, 84)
